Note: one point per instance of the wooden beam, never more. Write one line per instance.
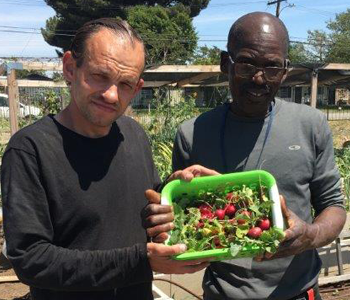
(4, 279)
(184, 69)
(333, 279)
(196, 78)
(13, 100)
(44, 66)
(36, 83)
(2, 68)
(314, 79)
(156, 83)
(333, 66)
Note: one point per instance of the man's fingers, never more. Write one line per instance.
(156, 230)
(160, 238)
(193, 171)
(154, 220)
(162, 250)
(155, 209)
(183, 175)
(200, 170)
(153, 196)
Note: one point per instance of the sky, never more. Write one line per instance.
(21, 19)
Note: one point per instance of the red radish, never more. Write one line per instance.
(229, 196)
(217, 243)
(230, 210)
(200, 225)
(216, 240)
(244, 213)
(254, 232)
(205, 208)
(264, 224)
(220, 214)
(207, 215)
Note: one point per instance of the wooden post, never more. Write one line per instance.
(13, 100)
(314, 80)
(339, 256)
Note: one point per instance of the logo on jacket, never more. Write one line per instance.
(294, 147)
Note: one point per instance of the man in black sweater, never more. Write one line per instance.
(74, 183)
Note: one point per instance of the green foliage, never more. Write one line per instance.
(318, 49)
(161, 125)
(167, 116)
(322, 47)
(197, 225)
(51, 104)
(342, 158)
(57, 77)
(340, 38)
(168, 33)
(2, 150)
(72, 14)
(206, 56)
(20, 74)
(162, 153)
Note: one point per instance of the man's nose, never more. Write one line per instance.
(111, 94)
(259, 78)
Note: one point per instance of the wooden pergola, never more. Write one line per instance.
(177, 76)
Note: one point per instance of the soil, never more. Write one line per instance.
(341, 133)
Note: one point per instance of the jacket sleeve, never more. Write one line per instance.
(181, 152)
(29, 232)
(325, 185)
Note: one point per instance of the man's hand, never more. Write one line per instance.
(191, 172)
(160, 260)
(299, 236)
(156, 218)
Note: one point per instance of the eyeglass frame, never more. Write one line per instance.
(286, 63)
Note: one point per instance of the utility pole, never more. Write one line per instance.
(278, 6)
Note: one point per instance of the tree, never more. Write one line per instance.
(72, 14)
(168, 33)
(339, 49)
(206, 56)
(318, 45)
(297, 53)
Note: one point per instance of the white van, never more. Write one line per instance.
(24, 110)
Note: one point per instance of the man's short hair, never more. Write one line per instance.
(117, 26)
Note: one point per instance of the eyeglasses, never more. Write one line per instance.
(248, 71)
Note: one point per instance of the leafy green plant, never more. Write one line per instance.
(342, 158)
(161, 125)
(162, 153)
(52, 103)
(235, 220)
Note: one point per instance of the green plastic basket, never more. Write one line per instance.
(177, 188)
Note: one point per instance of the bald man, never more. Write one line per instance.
(291, 141)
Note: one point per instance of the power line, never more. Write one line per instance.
(278, 5)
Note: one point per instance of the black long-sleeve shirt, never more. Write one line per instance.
(72, 211)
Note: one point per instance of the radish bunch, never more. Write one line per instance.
(236, 218)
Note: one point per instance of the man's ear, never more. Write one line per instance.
(69, 66)
(139, 86)
(224, 62)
